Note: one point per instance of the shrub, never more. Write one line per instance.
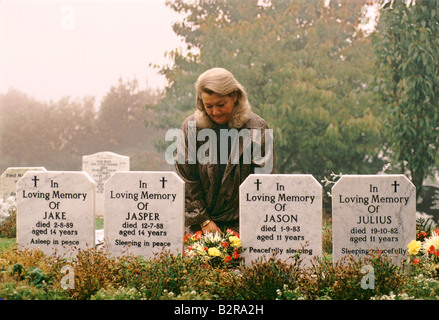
(422, 287)
(263, 279)
(93, 269)
(165, 273)
(342, 280)
(29, 274)
(219, 284)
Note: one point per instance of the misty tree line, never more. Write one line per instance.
(56, 135)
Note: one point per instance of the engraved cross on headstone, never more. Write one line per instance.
(395, 185)
(163, 182)
(35, 179)
(257, 183)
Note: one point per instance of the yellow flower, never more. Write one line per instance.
(414, 247)
(214, 252)
(235, 241)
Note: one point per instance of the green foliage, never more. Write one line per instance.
(263, 279)
(342, 280)
(423, 287)
(21, 282)
(167, 272)
(33, 274)
(29, 274)
(306, 69)
(407, 77)
(45, 132)
(424, 228)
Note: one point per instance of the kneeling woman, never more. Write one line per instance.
(212, 188)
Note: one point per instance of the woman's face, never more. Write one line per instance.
(219, 108)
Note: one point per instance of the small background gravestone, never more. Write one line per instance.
(373, 213)
(283, 214)
(100, 166)
(55, 211)
(10, 177)
(144, 213)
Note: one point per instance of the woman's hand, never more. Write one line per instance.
(210, 227)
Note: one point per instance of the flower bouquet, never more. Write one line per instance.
(425, 250)
(216, 249)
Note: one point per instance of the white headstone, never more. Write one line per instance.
(100, 166)
(144, 213)
(373, 212)
(55, 211)
(281, 213)
(9, 178)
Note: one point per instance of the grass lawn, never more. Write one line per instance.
(5, 243)
(99, 224)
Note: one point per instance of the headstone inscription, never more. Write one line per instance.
(373, 213)
(55, 211)
(281, 214)
(144, 213)
(9, 178)
(100, 166)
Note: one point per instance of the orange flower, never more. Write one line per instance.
(431, 250)
(235, 255)
(198, 235)
(416, 261)
(225, 244)
(227, 258)
(230, 231)
(421, 235)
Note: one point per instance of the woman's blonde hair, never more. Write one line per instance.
(222, 82)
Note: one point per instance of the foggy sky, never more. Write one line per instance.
(51, 49)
